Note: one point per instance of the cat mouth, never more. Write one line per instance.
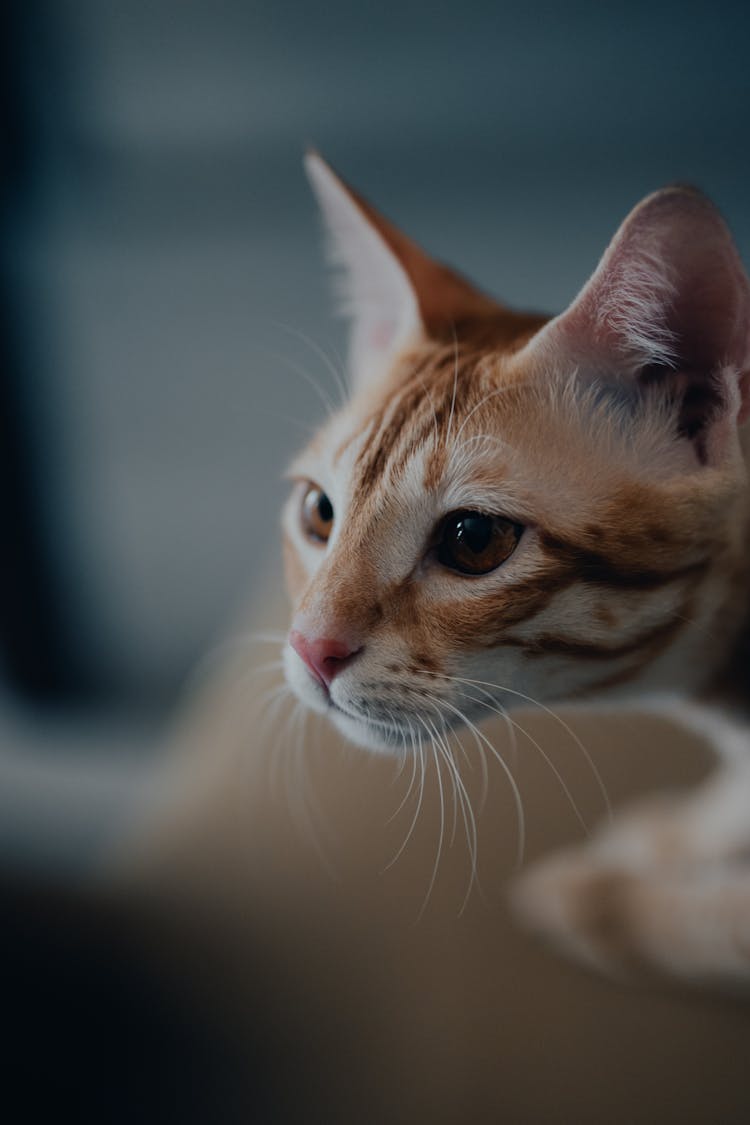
(405, 731)
(370, 730)
(361, 717)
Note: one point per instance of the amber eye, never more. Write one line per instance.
(473, 543)
(317, 514)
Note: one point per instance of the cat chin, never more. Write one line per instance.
(366, 735)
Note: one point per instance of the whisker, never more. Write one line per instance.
(439, 852)
(561, 781)
(455, 385)
(309, 814)
(439, 743)
(224, 650)
(260, 669)
(412, 779)
(420, 797)
(308, 427)
(321, 354)
(503, 713)
(520, 817)
(327, 401)
(275, 756)
(548, 711)
(263, 636)
(467, 813)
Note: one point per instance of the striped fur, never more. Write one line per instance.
(612, 434)
(626, 563)
(626, 577)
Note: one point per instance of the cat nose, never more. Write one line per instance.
(325, 657)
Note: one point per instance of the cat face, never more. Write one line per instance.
(509, 508)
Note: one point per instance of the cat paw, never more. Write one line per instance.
(582, 906)
(690, 923)
(654, 833)
(586, 900)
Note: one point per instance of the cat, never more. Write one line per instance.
(516, 508)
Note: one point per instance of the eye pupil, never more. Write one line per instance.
(475, 543)
(474, 533)
(325, 508)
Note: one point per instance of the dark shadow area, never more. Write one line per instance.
(98, 1029)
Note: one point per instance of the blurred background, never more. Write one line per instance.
(163, 297)
(164, 308)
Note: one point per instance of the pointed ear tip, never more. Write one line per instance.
(312, 161)
(320, 174)
(680, 197)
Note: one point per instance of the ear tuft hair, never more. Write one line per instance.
(669, 307)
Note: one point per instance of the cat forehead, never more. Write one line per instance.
(417, 418)
(406, 464)
(478, 430)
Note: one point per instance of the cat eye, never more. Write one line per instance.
(317, 514)
(474, 543)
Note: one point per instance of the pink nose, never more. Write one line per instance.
(324, 656)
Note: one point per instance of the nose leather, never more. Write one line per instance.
(325, 657)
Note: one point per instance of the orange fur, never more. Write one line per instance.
(609, 433)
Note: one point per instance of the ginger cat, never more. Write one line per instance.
(513, 508)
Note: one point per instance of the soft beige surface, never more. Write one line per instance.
(389, 1016)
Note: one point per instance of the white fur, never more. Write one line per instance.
(373, 290)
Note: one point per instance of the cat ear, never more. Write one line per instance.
(669, 304)
(394, 293)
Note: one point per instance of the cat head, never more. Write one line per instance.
(512, 507)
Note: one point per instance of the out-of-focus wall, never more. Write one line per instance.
(161, 254)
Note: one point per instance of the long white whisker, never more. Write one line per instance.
(226, 648)
(328, 403)
(441, 746)
(407, 794)
(276, 756)
(520, 817)
(502, 712)
(420, 799)
(439, 851)
(263, 636)
(455, 385)
(309, 814)
(337, 375)
(467, 813)
(561, 781)
(553, 715)
(260, 669)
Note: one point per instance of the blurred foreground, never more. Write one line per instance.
(255, 953)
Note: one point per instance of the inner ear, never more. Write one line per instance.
(667, 309)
